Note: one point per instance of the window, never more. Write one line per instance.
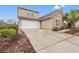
(56, 22)
(30, 13)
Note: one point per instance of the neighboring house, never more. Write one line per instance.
(65, 23)
(2, 22)
(30, 19)
(77, 24)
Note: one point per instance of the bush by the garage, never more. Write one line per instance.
(55, 29)
(7, 32)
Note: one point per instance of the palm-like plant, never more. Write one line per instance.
(71, 17)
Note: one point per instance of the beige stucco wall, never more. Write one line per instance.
(59, 18)
(24, 13)
(58, 24)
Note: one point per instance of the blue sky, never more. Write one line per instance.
(10, 11)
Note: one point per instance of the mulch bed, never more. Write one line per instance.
(74, 32)
(17, 44)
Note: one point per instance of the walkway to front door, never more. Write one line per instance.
(50, 41)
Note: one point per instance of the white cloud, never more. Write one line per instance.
(57, 7)
(62, 6)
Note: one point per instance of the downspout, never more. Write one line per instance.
(51, 23)
(40, 24)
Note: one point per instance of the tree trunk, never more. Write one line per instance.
(71, 25)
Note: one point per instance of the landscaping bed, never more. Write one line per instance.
(16, 44)
(72, 31)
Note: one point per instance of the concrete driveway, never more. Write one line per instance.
(46, 41)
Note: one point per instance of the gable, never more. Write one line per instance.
(60, 14)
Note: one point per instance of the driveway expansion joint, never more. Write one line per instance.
(72, 43)
(55, 43)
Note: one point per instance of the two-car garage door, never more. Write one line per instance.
(28, 24)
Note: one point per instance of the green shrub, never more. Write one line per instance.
(66, 27)
(76, 28)
(72, 27)
(2, 26)
(9, 26)
(7, 32)
(55, 29)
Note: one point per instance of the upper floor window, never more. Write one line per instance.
(30, 13)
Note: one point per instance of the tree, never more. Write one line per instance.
(71, 17)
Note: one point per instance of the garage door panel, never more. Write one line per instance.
(46, 24)
(30, 24)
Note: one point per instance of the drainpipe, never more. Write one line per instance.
(51, 23)
(40, 24)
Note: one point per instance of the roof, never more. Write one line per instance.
(51, 13)
(27, 9)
